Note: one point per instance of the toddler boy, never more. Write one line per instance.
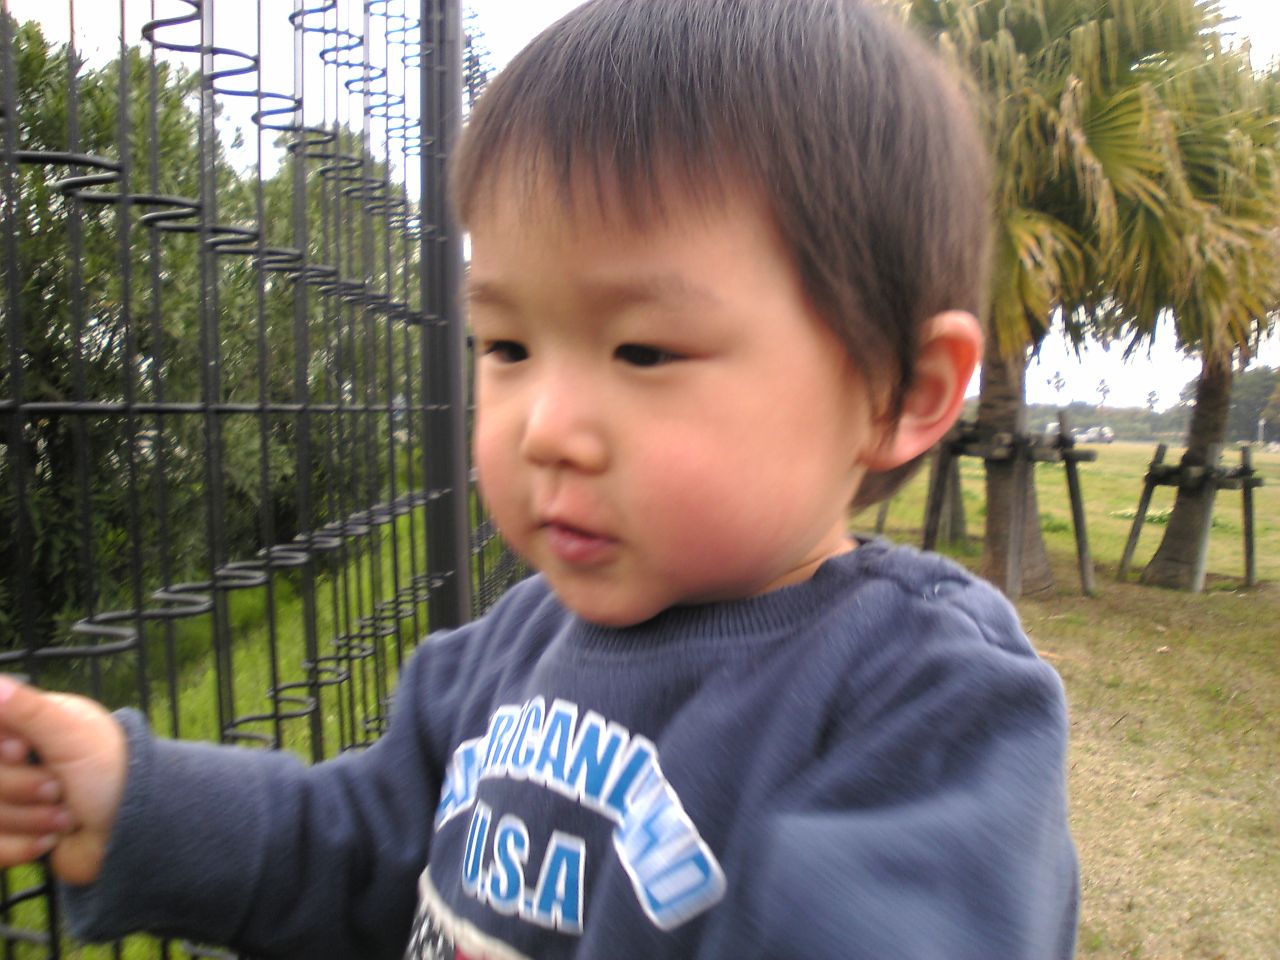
(726, 260)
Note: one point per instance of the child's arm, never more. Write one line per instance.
(62, 766)
(255, 850)
(240, 847)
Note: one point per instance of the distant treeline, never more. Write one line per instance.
(1129, 423)
(1255, 396)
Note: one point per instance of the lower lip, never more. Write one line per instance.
(575, 547)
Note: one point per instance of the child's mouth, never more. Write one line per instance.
(575, 546)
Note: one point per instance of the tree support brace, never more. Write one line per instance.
(1024, 450)
(1192, 476)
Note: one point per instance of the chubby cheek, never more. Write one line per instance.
(697, 514)
(494, 461)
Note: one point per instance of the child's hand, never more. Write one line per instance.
(62, 770)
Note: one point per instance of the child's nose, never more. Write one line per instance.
(563, 428)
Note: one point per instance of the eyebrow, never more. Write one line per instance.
(670, 289)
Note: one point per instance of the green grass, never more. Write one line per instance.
(1175, 710)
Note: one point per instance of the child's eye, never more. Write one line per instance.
(505, 351)
(642, 355)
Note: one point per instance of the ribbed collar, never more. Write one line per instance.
(744, 622)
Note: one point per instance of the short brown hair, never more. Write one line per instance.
(860, 143)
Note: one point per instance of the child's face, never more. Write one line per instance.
(661, 417)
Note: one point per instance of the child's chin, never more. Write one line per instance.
(614, 612)
(615, 619)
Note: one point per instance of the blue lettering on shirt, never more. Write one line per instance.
(473, 853)
(528, 728)
(606, 769)
(592, 760)
(558, 900)
(557, 736)
(506, 876)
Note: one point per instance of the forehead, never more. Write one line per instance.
(659, 248)
(585, 192)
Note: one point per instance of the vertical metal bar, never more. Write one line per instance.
(447, 462)
(211, 379)
(19, 465)
(75, 265)
(129, 369)
(336, 494)
(428, 283)
(411, 352)
(386, 358)
(456, 339)
(266, 520)
(416, 332)
(347, 236)
(308, 516)
(376, 623)
(348, 556)
(160, 472)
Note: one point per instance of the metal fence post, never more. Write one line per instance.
(446, 462)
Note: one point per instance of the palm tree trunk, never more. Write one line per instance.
(1174, 563)
(1002, 409)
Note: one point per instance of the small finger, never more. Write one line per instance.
(27, 784)
(35, 820)
(14, 750)
(15, 850)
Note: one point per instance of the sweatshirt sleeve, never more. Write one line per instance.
(934, 824)
(258, 851)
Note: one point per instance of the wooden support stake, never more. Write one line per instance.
(956, 533)
(882, 515)
(1246, 492)
(1083, 559)
(1148, 487)
(1208, 477)
(1017, 523)
(937, 491)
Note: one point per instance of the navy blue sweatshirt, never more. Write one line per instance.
(868, 764)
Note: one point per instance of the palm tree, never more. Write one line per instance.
(1211, 263)
(1065, 92)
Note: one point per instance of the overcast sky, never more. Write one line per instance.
(509, 24)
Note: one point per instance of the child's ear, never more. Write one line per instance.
(950, 349)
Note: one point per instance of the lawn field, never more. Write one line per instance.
(1175, 715)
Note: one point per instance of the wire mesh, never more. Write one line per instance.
(233, 478)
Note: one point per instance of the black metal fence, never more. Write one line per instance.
(233, 477)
